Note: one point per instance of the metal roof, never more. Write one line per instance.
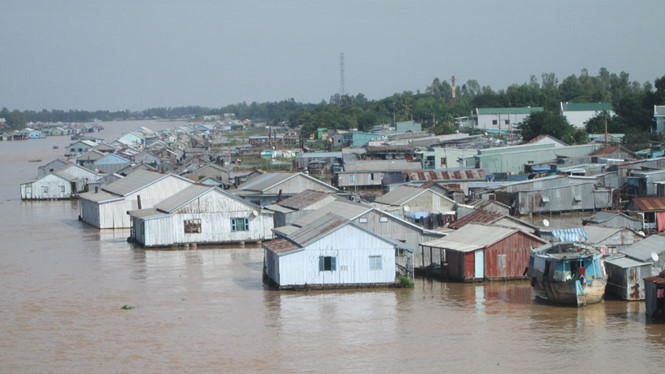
(624, 262)
(265, 181)
(649, 203)
(587, 107)
(603, 216)
(318, 228)
(146, 213)
(285, 230)
(381, 166)
(400, 195)
(643, 249)
(347, 210)
(472, 237)
(518, 110)
(281, 246)
(426, 175)
(477, 216)
(303, 199)
(183, 197)
(99, 197)
(134, 181)
(319, 155)
(596, 234)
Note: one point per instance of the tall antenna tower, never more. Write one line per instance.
(342, 92)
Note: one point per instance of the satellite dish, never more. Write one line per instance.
(654, 256)
(255, 213)
(642, 233)
(546, 222)
(407, 208)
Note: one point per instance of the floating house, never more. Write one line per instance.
(50, 167)
(418, 205)
(610, 238)
(289, 210)
(652, 211)
(200, 215)
(331, 252)
(111, 163)
(54, 186)
(373, 219)
(613, 219)
(373, 174)
(107, 208)
(634, 263)
(268, 188)
(478, 252)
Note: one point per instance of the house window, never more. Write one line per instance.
(362, 220)
(501, 261)
(507, 122)
(192, 226)
(62, 189)
(383, 219)
(327, 263)
(375, 263)
(495, 122)
(45, 190)
(371, 176)
(239, 224)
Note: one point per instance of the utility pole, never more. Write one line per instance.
(605, 129)
(341, 76)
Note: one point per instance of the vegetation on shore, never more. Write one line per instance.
(434, 107)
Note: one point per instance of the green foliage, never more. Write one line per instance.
(434, 107)
(405, 282)
(549, 123)
(15, 119)
(128, 307)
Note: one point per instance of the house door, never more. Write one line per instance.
(28, 192)
(480, 264)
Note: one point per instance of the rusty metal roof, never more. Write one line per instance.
(281, 245)
(316, 229)
(649, 203)
(478, 216)
(427, 175)
(303, 199)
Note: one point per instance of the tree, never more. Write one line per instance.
(549, 123)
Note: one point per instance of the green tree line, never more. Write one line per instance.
(434, 106)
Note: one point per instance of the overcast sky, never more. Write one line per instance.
(117, 54)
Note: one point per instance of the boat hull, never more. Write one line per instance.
(569, 292)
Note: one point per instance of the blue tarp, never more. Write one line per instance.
(570, 235)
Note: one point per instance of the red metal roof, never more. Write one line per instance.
(478, 216)
(426, 175)
(649, 203)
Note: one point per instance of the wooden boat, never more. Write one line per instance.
(568, 273)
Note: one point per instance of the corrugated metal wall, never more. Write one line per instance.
(352, 248)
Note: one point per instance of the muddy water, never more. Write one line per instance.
(62, 286)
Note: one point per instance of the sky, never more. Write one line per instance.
(138, 54)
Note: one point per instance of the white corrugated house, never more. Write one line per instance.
(56, 185)
(331, 252)
(107, 208)
(202, 215)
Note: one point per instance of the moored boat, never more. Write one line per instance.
(568, 273)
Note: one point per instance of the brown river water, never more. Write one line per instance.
(63, 284)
